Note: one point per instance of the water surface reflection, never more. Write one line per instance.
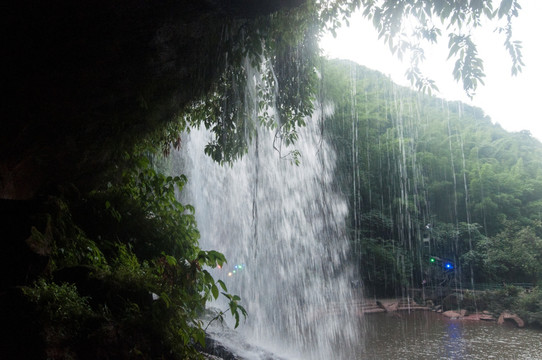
(427, 335)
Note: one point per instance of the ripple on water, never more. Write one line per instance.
(427, 335)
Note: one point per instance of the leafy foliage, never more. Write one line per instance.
(496, 301)
(515, 254)
(405, 25)
(268, 72)
(127, 275)
(530, 307)
(60, 303)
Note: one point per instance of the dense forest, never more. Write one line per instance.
(431, 179)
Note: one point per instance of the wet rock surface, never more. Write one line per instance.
(511, 317)
(237, 348)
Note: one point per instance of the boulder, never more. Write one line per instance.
(388, 306)
(511, 317)
(391, 307)
(478, 316)
(210, 357)
(452, 314)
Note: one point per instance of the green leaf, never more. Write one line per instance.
(171, 260)
(165, 298)
(243, 311)
(236, 316)
(207, 277)
(222, 285)
(199, 336)
(214, 290)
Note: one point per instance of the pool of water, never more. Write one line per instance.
(428, 335)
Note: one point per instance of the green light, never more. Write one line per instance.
(432, 260)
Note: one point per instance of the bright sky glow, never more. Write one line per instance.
(513, 102)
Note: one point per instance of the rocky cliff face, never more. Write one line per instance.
(85, 79)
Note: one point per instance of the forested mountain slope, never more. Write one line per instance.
(427, 177)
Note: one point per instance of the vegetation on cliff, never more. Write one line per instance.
(122, 274)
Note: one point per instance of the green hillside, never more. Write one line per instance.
(426, 177)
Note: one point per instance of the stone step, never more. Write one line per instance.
(368, 306)
(358, 306)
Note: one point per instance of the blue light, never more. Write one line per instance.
(449, 266)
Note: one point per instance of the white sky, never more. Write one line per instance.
(513, 102)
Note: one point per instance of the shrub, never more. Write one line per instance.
(500, 300)
(530, 307)
(59, 303)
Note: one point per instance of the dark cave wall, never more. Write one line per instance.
(87, 79)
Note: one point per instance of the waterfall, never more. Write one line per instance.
(282, 229)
